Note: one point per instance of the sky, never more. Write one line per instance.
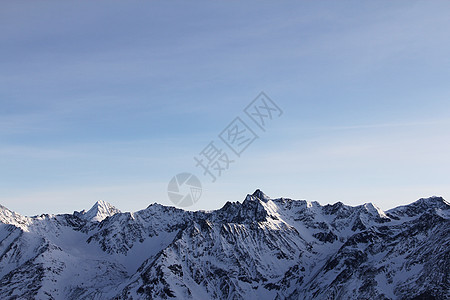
(110, 100)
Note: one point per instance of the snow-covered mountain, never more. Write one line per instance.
(100, 211)
(260, 248)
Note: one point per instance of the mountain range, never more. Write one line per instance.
(260, 248)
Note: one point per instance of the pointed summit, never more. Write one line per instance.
(260, 195)
(99, 211)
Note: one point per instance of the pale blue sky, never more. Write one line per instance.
(109, 100)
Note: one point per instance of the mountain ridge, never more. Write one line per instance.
(259, 248)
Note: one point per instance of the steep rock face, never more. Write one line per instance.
(261, 248)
